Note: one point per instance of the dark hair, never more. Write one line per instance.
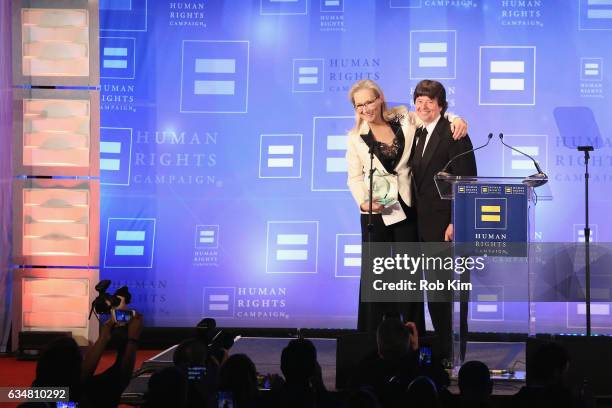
(190, 352)
(549, 363)
(239, 375)
(299, 360)
(393, 338)
(433, 90)
(474, 379)
(59, 364)
(168, 387)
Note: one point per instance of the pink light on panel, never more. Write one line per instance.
(65, 49)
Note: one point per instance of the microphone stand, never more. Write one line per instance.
(587, 238)
(370, 194)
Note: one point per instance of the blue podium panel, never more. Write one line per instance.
(491, 214)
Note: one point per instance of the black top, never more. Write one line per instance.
(389, 155)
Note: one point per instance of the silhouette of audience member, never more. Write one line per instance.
(547, 380)
(167, 388)
(192, 357)
(362, 398)
(422, 392)
(303, 386)
(61, 365)
(475, 385)
(238, 375)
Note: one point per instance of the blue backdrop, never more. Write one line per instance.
(222, 142)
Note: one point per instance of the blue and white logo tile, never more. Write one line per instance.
(214, 76)
(280, 156)
(292, 247)
(130, 243)
(507, 75)
(348, 256)
(329, 167)
(433, 54)
(115, 156)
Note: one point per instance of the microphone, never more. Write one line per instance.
(443, 171)
(543, 178)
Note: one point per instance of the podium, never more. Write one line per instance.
(493, 217)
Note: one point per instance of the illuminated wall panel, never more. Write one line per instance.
(54, 300)
(56, 132)
(56, 42)
(56, 222)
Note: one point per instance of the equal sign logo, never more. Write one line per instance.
(207, 236)
(336, 148)
(491, 213)
(579, 233)
(118, 57)
(332, 6)
(432, 54)
(308, 75)
(488, 304)
(507, 75)
(504, 83)
(292, 247)
(516, 164)
(214, 76)
(115, 58)
(520, 161)
(591, 69)
(348, 256)
(280, 156)
(115, 156)
(129, 243)
(214, 86)
(218, 301)
(329, 152)
(600, 314)
(595, 15)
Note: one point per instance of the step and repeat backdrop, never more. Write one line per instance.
(222, 142)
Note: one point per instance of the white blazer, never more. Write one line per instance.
(358, 156)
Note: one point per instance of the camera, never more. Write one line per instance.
(112, 306)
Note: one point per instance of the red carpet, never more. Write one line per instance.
(14, 373)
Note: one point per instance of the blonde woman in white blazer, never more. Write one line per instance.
(390, 132)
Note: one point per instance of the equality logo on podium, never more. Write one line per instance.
(115, 156)
(433, 54)
(123, 15)
(218, 302)
(283, 7)
(329, 167)
(491, 213)
(292, 247)
(129, 243)
(348, 256)
(507, 75)
(117, 58)
(280, 156)
(214, 76)
(595, 15)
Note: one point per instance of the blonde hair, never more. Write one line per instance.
(373, 86)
